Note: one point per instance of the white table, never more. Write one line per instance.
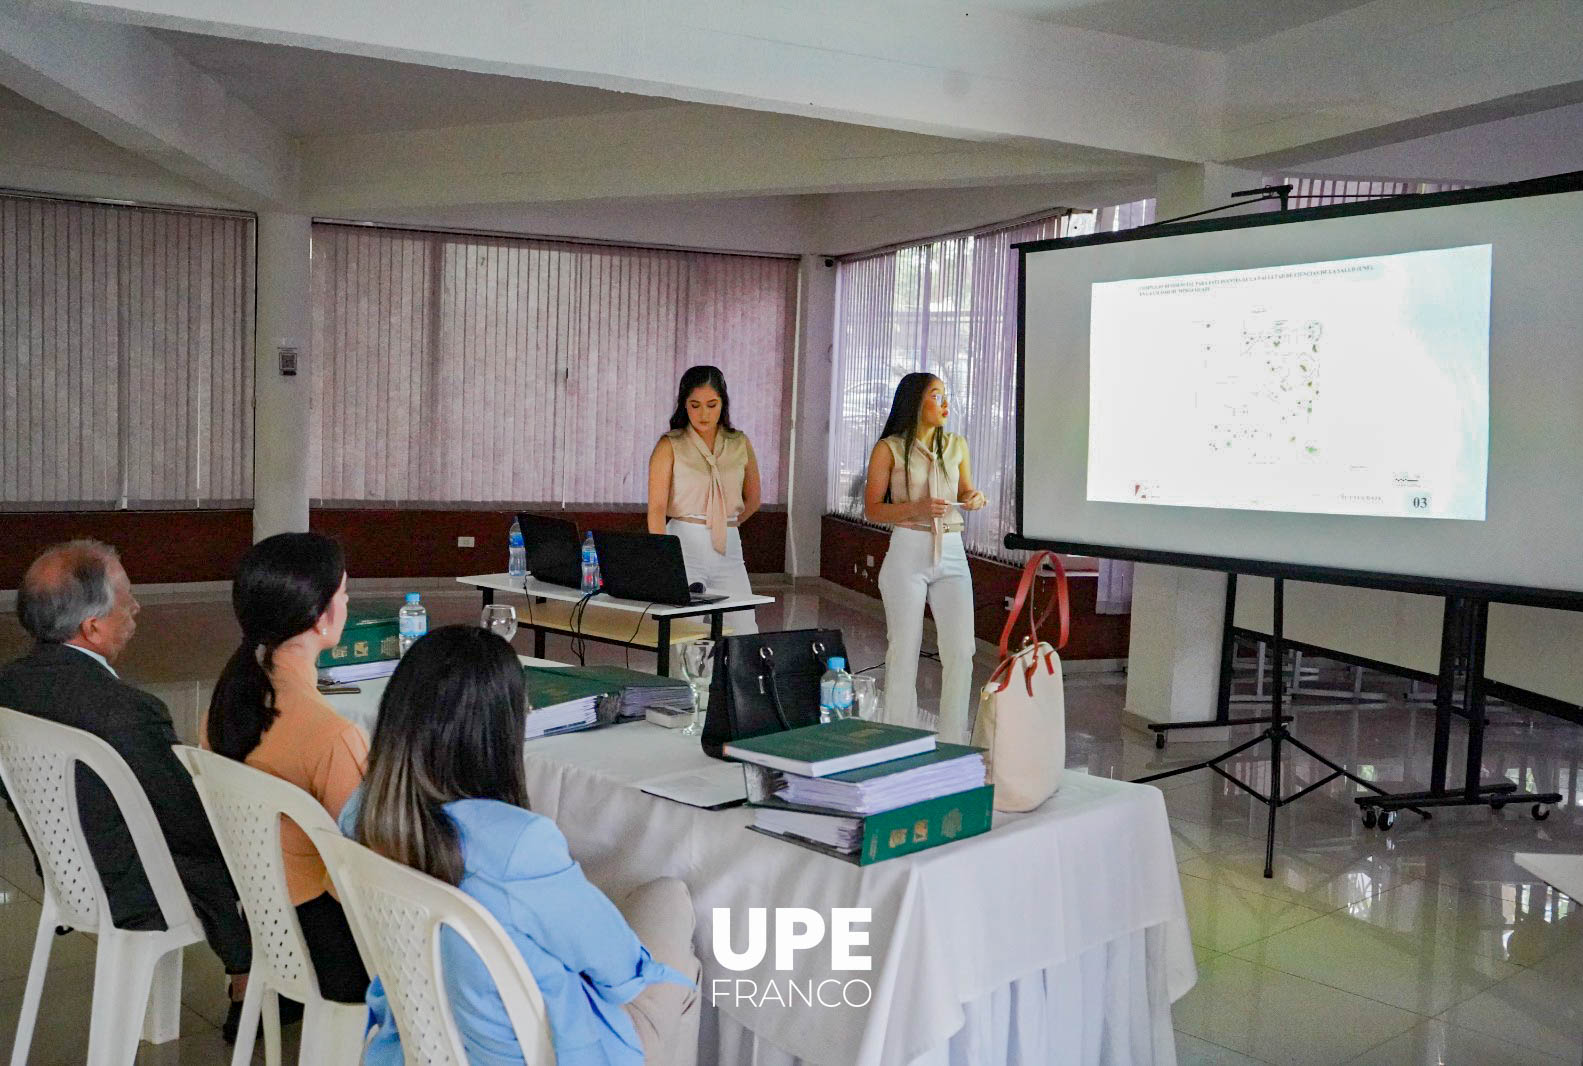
(593, 627)
(1058, 937)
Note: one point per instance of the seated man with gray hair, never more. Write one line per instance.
(77, 603)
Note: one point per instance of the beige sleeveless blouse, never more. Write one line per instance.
(929, 475)
(708, 482)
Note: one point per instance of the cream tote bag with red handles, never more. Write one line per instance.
(1022, 710)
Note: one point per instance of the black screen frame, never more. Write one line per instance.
(1571, 182)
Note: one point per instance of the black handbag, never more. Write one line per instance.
(766, 683)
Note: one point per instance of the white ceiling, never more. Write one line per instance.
(305, 92)
(1214, 25)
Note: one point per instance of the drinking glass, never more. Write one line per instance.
(865, 698)
(698, 667)
(500, 618)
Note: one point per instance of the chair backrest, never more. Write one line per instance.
(396, 914)
(39, 763)
(245, 806)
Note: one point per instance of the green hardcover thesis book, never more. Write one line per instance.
(546, 686)
(620, 677)
(903, 831)
(820, 750)
(369, 636)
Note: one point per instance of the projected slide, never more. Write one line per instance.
(1357, 386)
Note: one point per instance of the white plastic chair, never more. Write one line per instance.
(137, 974)
(244, 806)
(396, 914)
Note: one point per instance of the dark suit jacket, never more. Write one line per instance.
(66, 686)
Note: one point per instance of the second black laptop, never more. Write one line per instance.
(554, 554)
(646, 567)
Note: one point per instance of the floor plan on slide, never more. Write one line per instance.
(1356, 386)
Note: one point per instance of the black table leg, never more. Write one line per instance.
(662, 647)
(488, 596)
(716, 626)
(538, 643)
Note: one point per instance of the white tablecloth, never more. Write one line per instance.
(1057, 937)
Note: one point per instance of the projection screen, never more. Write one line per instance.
(1384, 393)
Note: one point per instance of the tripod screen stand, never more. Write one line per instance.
(1275, 732)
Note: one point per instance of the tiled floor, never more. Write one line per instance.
(1424, 945)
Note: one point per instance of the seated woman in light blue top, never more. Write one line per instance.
(445, 794)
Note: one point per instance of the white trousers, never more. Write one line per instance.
(717, 573)
(907, 579)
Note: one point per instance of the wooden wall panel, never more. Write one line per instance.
(846, 548)
(413, 543)
(157, 547)
(160, 547)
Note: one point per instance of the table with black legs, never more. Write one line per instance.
(652, 627)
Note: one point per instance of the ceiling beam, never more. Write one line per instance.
(132, 89)
(681, 151)
(1395, 69)
(956, 71)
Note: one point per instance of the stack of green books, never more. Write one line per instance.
(636, 691)
(864, 792)
(619, 693)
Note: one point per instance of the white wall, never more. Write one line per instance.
(42, 152)
(774, 224)
(855, 222)
(1509, 149)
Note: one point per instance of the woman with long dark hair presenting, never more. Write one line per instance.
(919, 482)
(446, 794)
(703, 484)
(290, 597)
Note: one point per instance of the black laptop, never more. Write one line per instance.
(646, 567)
(555, 555)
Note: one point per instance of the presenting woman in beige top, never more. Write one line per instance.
(290, 597)
(703, 484)
(919, 483)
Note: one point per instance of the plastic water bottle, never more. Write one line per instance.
(591, 580)
(412, 622)
(835, 692)
(517, 557)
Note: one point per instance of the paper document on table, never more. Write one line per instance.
(341, 675)
(711, 787)
(842, 834)
(560, 717)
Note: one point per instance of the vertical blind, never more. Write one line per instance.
(463, 369)
(126, 357)
(949, 307)
(1318, 192)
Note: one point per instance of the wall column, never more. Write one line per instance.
(281, 404)
(811, 428)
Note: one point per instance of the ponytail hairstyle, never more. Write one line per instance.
(905, 409)
(698, 377)
(450, 727)
(283, 584)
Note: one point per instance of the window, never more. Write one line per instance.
(488, 370)
(1318, 192)
(126, 357)
(949, 307)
